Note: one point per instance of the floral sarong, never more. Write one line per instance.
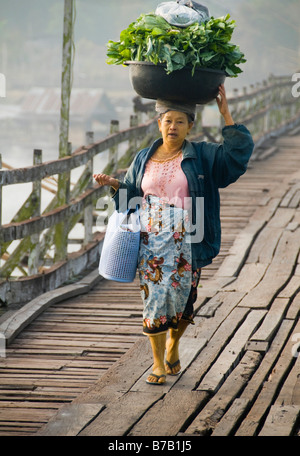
(168, 284)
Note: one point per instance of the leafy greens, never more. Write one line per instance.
(152, 39)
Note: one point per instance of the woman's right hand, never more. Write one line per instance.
(104, 179)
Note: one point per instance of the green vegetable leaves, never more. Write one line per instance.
(151, 38)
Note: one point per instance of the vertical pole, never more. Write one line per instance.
(88, 210)
(1, 240)
(61, 231)
(66, 77)
(33, 259)
(0, 193)
(133, 143)
(113, 151)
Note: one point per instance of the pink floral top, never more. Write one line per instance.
(165, 179)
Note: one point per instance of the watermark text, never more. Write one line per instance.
(296, 346)
(296, 87)
(2, 346)
(168, 217)
(2, 86)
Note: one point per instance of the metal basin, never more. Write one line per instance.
(152, 81)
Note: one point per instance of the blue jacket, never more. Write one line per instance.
(208, 167)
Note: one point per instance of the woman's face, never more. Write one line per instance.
(174, 127)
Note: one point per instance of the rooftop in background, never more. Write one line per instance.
(85, 103)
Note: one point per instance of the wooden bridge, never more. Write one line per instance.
(75, 360)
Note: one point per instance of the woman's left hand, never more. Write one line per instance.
(104, 179)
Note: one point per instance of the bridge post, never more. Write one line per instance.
(61, 231)
(0, 193)
(113, 151)
(33, 259)
(88, 211)
(1, 239)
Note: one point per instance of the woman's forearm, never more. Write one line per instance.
(228, 119)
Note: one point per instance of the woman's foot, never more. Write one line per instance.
(156, 379)
(172, 364)
(171, 368)
(158, 343)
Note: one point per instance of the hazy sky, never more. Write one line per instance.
(31, 36)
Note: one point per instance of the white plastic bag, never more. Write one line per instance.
(182, 13)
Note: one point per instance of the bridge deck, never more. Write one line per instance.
(79, 368)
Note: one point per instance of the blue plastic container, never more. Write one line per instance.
(119, 255)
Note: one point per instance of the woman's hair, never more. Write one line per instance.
(163, 106)
(190, 118)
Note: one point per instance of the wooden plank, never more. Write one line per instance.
(113, 346)
(209, 288)
(265, 398)
(24, 415)
(238, 253)
(278, 273)
(79, 320)
(206, 328)
(20, 363)
(209, 309)
(291, 288)
(70, 420)
(295, 200)
(289, 196)
(219, 334)
(119, 379)
(268, 360)
(255, 345)
(206, 421)
(290, 391)
(280, 421)
(120, 415)
(281, 218)
(174, 412)
(248, 278)
(108, 328)
(272, 320)
(227, 424)
(244, 241)
(264, 246)
(231, 354)
(294, 309)
(66, 337)
(21, 318)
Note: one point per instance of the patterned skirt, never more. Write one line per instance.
(167, 282)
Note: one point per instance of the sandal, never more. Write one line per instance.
(158, 377)
(171, 366)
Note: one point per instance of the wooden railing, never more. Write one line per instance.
(41, 256)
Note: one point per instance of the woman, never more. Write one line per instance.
(180, 217)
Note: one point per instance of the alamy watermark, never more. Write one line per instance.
(2, 86)
(2, 346)
(296, 346)
(296, 87)
(164, 216)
